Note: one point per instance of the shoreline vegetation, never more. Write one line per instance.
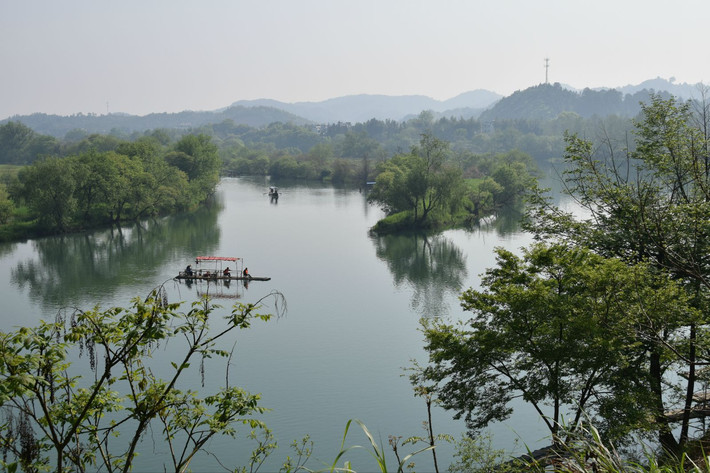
(94, 189)
(431, 188)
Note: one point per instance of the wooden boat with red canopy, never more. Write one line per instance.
(218, 268)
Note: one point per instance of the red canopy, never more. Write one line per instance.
(216, 258)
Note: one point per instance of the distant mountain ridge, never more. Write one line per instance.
(58, 126)
(360, 108)
(533, 102)
(683, 90)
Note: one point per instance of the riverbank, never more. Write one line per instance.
(403, 222)
(24, 228)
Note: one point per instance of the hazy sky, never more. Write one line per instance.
(143, 56)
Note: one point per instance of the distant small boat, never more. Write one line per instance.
(273, 192)
(217, 270)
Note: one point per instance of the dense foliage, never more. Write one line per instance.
(610, 317)
(419, 183)
(427, 189)
(561, 327)
(350, 152)
(19, 144)
(131, 181)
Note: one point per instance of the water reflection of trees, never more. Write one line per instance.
(7, 248)
(433, 266)
(67, 269)
(507, 220)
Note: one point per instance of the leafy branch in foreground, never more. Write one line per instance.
(426, 391)
(57, 415)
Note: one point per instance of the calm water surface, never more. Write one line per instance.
(354, 304)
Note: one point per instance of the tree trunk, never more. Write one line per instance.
(665, 436)
(690, 388)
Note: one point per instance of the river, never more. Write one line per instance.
(354, 302)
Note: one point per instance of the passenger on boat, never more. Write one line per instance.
(226, 271)
(246, 273)
(188, 270)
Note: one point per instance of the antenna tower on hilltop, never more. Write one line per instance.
(547, 67)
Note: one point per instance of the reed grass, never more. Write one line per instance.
(376, 450)
(582, 450)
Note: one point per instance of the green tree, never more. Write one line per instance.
(482, 197)
(650, 204)
(559, 328)
(15, 137)
(285, 166)
(260, 165)
(321, 153)
(342, 170)
(390, 190)
(515, 182)
(6, 205)
(421, 183)
(95, 176)
(123, 191)
(160, 187)
(40, 147)
(358, 145)
(197, 157)
(56, 417)
(94, 142)
(133, 182)
(48, 188)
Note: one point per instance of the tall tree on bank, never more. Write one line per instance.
(197, 157)
(19, 144)
(652, 204)
(48, 187)
(557, 328)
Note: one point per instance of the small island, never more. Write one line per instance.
(426, 189)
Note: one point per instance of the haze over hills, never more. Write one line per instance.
(682, 90)
(360, 108)
(543, 101)
(58, 126)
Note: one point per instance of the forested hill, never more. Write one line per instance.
(547, 101)
(58, 126)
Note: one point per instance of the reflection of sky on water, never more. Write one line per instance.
(354, 304)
